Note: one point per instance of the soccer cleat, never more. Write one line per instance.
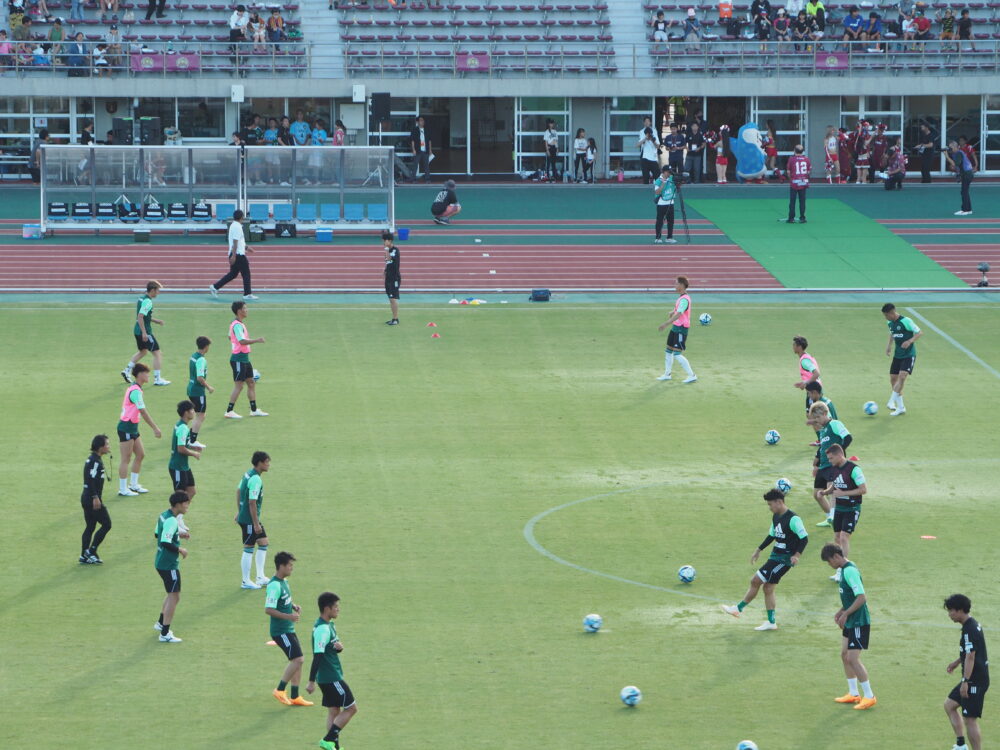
(85, 560)
(664, 376)
(802, 220)
(670, 241)
(213, 291)
(161, 381)
(897, 413)
(300, 701)
(960, 747)
(127, 493)
(657, 241)
(170, 638)
(93, 559)
(232, 415)
(138, 489)
(848, 699)
(126, 376)
(329, 745)
(825, 522)
(962, 213)
(249, 297)
(280, 695)
(262, 581)
(865, 703)
(731, 609)
(198, 444)
(392, 322)
(439, 220)
(259, 413)
(690, 379)
(249, 585)
(767, 626)
(157, 627)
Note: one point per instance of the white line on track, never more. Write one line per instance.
(972, 355)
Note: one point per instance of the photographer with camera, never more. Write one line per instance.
(962, 164)
(896, 168)
(649, 155)
(665, 190)
(695, 148)
(674, 143)
(925, 150)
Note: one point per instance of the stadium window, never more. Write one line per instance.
(202, 118)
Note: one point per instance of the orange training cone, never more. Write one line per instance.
(435, 335)
(432, 325)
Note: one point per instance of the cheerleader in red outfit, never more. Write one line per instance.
(863, 152)
(770, 146)
(880, 148)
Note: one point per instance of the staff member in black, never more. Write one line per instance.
(960, 162)
(238, 263)
(964, 705)
(94, 510)
(392, 277)
(674, 143)
(925, 148)
(695, 149)
(420, 144)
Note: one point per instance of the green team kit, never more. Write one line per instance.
(902, 330)
(197, 368)
(251, 489)
(279, 597)
(324, 636)
(167, 531)
(178, 460)
(144, 307)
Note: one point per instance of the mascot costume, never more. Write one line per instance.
(750, 159)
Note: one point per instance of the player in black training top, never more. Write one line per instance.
(975, 666)
(94, 510)
(392, 277)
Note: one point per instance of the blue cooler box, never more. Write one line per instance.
(324, 234)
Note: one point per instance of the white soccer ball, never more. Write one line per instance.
(747, 745)
(705, 319)
(771, 437)
(630, 695)
(686, 574)
(592, 623)
(256, 374)
(784, 485)
(871, 408)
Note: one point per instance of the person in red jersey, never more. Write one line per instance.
(880, 149)
(799, 168)
(844, 155)
(862, 149)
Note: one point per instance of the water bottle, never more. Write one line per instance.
(621, 175)
(170, 48)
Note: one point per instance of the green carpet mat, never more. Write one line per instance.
(839, 248)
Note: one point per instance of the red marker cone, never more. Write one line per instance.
(435, 335)
(432, 325)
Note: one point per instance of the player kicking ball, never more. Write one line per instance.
(284, 614)
(327, 671)
(789, 536)
(680, 323)
(853, 617)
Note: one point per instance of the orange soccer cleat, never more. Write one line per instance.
(280, 695)
(848, 699)
(300, 701)
(865, 703)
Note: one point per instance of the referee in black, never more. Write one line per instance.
(94, 510)
(392, 277)
(238, 263)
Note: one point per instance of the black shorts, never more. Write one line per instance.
(392, 287)
(821, 481)
(438, 208)
(171, 580)
(124, 437)
(200, 403)
(151, 345)
(857, 637)
(337, 694)
(289, 643)
(773, 570)
(181, 478)
(902, 365)
(241, 371)
(677, 340)
(973, 705)
(846, 520)
(248, 535)
(90, 515)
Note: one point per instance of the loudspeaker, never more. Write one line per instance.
(150, 132)
(121, 128)
(540, 295)
(381, 107)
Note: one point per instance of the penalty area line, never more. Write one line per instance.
(968, 352)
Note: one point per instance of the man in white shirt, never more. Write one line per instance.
(238, 24)
(551, 140)
(239, 265)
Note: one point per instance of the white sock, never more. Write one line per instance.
(685, 364)
(261, 559)
(899, 400)
(134, 479)
(852, 685)
(668, 363)
(245, 562)
(866, 686)
(122, 485)
(156, 374)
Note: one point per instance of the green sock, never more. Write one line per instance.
(295, 692)
(741, 606)
(281, 685)
(770, 616)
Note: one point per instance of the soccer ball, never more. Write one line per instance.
(592, 623)
(686, 574)
(705, 319)
(871, 408)
(747, 745)
(256, 375)
(630, 695)
(771, 437)
(784, 485)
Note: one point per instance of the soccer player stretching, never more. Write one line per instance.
(240, 362)
(903, 333)
(680, 323)
(790, 538)
(144, 340)
(181, 475)
(197, 385)
(168, 535)
(975, 669)
(284, 614)
(129, 441)
(94, 510)
(853, 617)
(830, 432)
(326, 670)
(249, 496)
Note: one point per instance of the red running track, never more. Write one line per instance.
(962, 260)
(30, 267)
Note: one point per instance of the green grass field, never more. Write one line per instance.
(405, 473)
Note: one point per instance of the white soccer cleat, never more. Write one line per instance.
(731, 609)
(156, 627)
(249, 585)
(670, 241)
(691, 379)
(261, 581)
(161, 381)
(214, 291)
(664, 376)
(138, 489)
(767, 626)
(197, 444)
(250, 297)
(170, 638)
(127, 493)
(232, 415)
(259, 413)
(127, 376)
(897, 412)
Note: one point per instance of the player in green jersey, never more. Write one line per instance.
(790, 539)
(327, 671)
(814, 394)
(903, 334)
(284, 614)
(180, 449)
(249, 496)
(847, 485)
(168, 549)
(144, 339)
(855, 621)
(829, 431)
(197, 385)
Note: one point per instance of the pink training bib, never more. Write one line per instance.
(803, 372)
(684, 321)
(130, 412)
(238, 348)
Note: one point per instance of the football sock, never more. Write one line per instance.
(134, 479)
(282, 684)
(164, 628)
(333, 734)
(741, 606)
(156, 374)
(261, 558)
(98, 538)
(245, 563)
(852, 685)
(668, 362)
(122, 485)
(899, 401)
(230, 407)
(129, 365)
(960, 740)
(684, 363)
(253, 406)
(161, 619)
(295, 692)
(770, 616)
(194, 437)
(866, 686)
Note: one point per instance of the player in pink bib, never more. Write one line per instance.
(130, 443)
(239, 361)
(680, 323)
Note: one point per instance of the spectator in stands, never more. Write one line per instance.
(947, 22)
(550, 139)
(158, 7)
(109, 138)
(965, 29)
(257, 32)
(113, 39)
(588, 170)
(896, 168)
(854, 27)
(873, 31)
(108, 5)
(802, 30)
(253, 133)
(275, 27)
(792, 8)
(905, 8)
(760, 6)
(22, 32)
(674, 143)
(35, 160)
(57, 35)
(6, 51)
(782, 27)
(76, 54)
(580, 155)
(238, 22)
(284, 134)
(300, 129)
(318, 137)
(762, 29)
(923, 24)
(446, 204)
(236, 140)
(99, 60)
(422, 149)
(817, 12)
(958, 161)
(695, 149)
(660, 26)
(925, 149)
(39, 8)
(909, 29)
(40, 56)
(968, 150)
(692, 28)
(87, 134)
(649, 155)
(339, 133)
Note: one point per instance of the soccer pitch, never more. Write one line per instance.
(471, 498)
